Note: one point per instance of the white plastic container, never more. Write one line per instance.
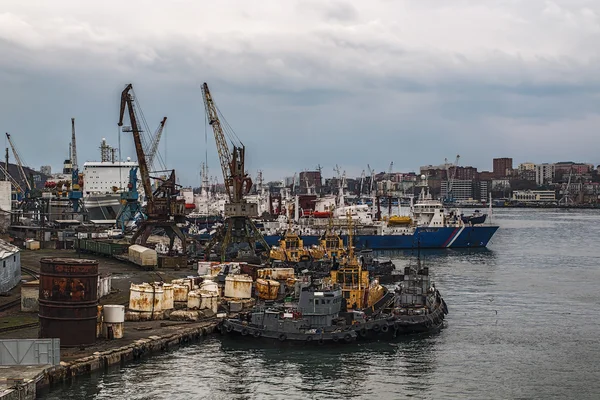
(114, 314)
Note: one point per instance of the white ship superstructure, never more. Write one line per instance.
(103, 182)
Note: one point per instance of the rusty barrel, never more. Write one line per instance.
(68, 300)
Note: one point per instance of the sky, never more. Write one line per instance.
(307, 83)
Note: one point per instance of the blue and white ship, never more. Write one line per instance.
(432, 226)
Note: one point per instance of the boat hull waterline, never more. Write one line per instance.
(425, 238)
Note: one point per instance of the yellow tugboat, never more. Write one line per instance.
(357, 289)
(291, 248)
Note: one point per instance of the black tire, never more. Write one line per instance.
(363, 332)
(384, 328)
(348, 338)
(256, 334)
(335, 338)
(376, 328)
(282, 337)
(229, 328)
(244, 332)
(309, 338)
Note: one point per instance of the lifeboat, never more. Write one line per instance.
(190, 206)
(322, 214)
(399, 220)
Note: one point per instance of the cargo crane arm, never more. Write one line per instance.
(237, 181)
(19, 163)
(155, 141)
(127, 100)
(12, 180)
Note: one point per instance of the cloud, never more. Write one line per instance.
(307, 82)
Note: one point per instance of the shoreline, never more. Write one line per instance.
(45, 377)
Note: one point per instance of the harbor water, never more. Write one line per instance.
(524, 322)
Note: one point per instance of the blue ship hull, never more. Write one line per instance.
(425, 238)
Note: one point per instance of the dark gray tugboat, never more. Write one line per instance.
(416, 306)
(315, 319)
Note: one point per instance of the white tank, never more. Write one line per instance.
(168, 296)
(114, 314)
(193, 302)
(209, 300)
(209, 286)
(145, 298)
(204, 268)
(238, 286)
(180, 293)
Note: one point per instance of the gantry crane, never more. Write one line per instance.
(163, 209)
(238, 233)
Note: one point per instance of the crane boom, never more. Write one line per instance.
(19, 163)
(237, 181)
(155, 142)
(222, 148)
(74, 164)
(127, 100)
(12, 180)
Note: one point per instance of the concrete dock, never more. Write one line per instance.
(140, 339)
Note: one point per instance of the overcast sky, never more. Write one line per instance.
(308, 82)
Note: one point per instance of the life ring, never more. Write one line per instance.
(309, 338)
(384, 328)
(229, 328)
(363, 332)
(282, 337)
(376, 327)
(348, 338)
(244, 332)
(335, 338)
(256, 333)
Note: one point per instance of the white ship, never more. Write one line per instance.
(103, 183)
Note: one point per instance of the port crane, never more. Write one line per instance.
(23, 176)
(238, 235)
(75, 193)
(163, 209)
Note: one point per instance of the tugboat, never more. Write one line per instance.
(416, 306)
(381, 269)
(315, 319)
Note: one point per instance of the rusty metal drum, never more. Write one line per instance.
(68, 300)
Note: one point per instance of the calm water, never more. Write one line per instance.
(524, 322)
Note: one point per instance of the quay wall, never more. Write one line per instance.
(141, 348)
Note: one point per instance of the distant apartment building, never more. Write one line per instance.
(502, 167)
(534, 196)
(46, 169)
(544, 173)
(568, 167)
(462, 189)
(526, 166)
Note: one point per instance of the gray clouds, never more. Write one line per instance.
(307, 82)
